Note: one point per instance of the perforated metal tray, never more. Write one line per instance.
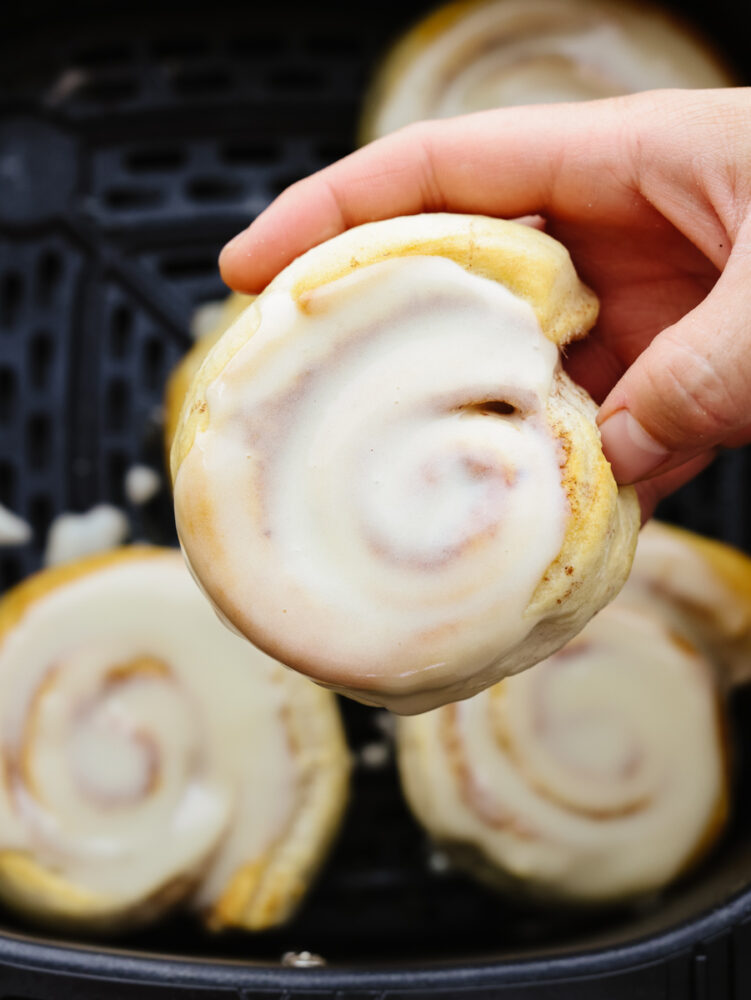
(134, 139)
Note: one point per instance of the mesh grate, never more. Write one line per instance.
(131, 148)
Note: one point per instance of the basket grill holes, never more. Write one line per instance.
(109, 90)
(117, 465)
(38, 441)
(7, 484)
(296, 80)
(154, 160)
(153, 363)
(49, 273)
(120, 332)
(11, 572)
(253, 46)
(334, 46)
(126, 198)
(40, 515)
(102, 56)
(117, 406)
(201, 81)
(251, 153)
(7, 395)
(188, 267)
(11, 296)
(213, 189)
(189, 46)
(41, 355)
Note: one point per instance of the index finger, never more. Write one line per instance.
(556, 160)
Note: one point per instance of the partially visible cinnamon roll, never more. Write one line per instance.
(219, 317)
(383, 476)
(703, 580)
(596, 776)
(150, 756)
(476, 54)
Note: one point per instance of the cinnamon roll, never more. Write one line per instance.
(598, 775)
(477, 54)
(150, 756)
(219, 317)
(384, 478)
(704, 581)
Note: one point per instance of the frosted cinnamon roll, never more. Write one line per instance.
(150, 756)
(478, 54)
(384, 478)
(598, 775)
(210, 322)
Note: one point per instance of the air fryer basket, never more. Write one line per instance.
(134, 140)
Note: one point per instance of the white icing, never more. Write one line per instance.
(206, 318)
(375, 756)
(13, 529)
(515, 52)
(141, 484)
(126, 784)
(367, 514)
(72, 536)
(665, 562)
(581, 783)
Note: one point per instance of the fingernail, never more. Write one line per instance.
(632, 452)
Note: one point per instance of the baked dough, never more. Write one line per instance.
(150, 756)
(705, 581)
(598, 775)
(222, 316)
(384, 478)
(478, 54)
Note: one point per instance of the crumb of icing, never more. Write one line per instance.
(374, 756)
(206, 319)
(13, 529)
(141, 484)
(72, 536)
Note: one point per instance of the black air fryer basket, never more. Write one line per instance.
(135, 138)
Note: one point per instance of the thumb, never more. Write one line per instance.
(689, 391)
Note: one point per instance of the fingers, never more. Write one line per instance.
(557, 160)
(690, 390)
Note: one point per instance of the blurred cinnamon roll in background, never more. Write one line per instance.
(706, 583)
(150, 756)
(598, 775)
(478, 54)
(383, 476)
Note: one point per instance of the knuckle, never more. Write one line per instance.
(693, 397)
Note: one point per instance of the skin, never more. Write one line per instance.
(651, 193)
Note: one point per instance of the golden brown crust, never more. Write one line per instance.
(185, 371)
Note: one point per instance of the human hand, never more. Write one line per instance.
(651, 194)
